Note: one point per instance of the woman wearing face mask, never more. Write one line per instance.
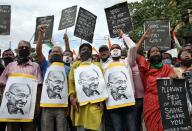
(152, 69)
(186, 62)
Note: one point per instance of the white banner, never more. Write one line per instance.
(90, 85)
(19, 99)
(55, 89)
(120, 86)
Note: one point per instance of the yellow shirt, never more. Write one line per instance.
(89, 115)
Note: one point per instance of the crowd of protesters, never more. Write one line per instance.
(144, 71)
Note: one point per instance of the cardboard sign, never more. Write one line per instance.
(118, 17)
(173, 105)
(188, 77)
(48, 22)
(68, 17)
(85, 25)
(5, 19)
(159, 36)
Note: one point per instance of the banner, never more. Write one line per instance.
(55, 88)
(5, 19)
(48, 22)
(159, 35)
(119, 86)
(68, 17)
(19, 99)
(118, 17)
(85, 25)
(89, 84)
(173, 105)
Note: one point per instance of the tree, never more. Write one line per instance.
(174, 10)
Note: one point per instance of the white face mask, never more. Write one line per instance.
(115, 53)
(67, 59)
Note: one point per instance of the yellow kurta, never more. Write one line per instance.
(89, 115)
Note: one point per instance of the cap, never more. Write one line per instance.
(103, 47)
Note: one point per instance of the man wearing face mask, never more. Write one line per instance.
(23, 65)
(86, 117)
(56, 115)
(104, 54)
(167, 58)
(68, 57)
(7, 57)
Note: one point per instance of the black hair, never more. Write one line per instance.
(148, 53)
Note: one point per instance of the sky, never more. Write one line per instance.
(24, 13)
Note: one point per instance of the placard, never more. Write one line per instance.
(90, 85)
(48, 22)
(119, 85)
(85, 25)
(68, 17)
(5, 19)
(118, 17)
(159, 35)
(173, 104)
(188, 77)
(55, 88)
(19, 99)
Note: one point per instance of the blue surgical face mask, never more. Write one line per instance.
(167, 61)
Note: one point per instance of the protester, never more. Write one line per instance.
(152, 69)
(51, 115)
(25, 66)
(122, 115)
(105, 57)
(86, 117)
(167, 58)
(138, 84)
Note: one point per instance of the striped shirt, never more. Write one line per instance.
(30, 68)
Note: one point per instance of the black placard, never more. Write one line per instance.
(48, 22)
(173, 105)
(5, 19)
(85, 25)
(159, 35)
(118, 17)
(188, 77)
(68, 17)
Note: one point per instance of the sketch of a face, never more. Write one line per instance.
(55, 84)
(117, 83)
(18, 95)
(89, 82)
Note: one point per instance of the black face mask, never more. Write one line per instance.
(116, 58)
(104, 59)
(56, 58)
(24, 53)
(85, 55)
(8, 60)
(186, 63)
(156, 59)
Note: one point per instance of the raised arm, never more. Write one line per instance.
(41, 31)
(144, 36)
(132, 52)
(66, 40)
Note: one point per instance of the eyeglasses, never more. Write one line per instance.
(57, 81)
(20, 95)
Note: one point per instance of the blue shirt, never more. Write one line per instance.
(45, 64)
